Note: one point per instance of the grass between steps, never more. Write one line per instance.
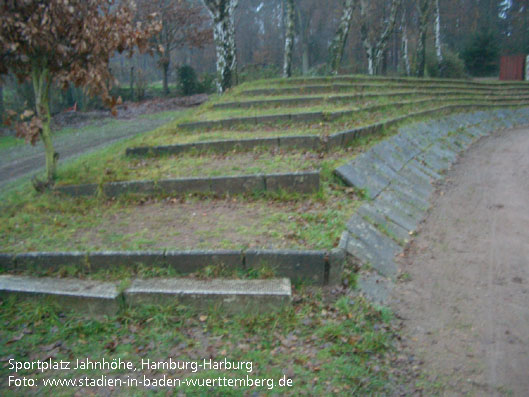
(326, 342)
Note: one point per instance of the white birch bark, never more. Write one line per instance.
(221, 12)
(338, 44)
(374, 51)
(289, 38)
(437, 30)
(405, 55)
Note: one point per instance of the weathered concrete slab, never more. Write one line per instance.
(357, 175)
(49, 261)
(109, 259)
(185, 262)
(183, 186)
(89, 297)
(336, 265)
(7, 262)
(371, 246)
(300, 182)
(375, 287)
(392, 200)
(308, 266)
(237, 184)
(233, 296)
(308, 142)
(395, 215)
(369, 213)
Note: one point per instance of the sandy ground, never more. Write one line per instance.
(466, 304)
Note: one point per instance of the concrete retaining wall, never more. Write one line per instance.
(299, 182)
(314, 267)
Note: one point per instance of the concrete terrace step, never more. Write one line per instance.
(104, 298)
(364, 95)
(306, 142)
(321, 116)
(317, 267)
(299, 182)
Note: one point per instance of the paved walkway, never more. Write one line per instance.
(466, 306)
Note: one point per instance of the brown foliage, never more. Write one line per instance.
(69, 42)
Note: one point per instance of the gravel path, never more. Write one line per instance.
(465, 306)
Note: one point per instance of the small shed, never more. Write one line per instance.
(512, 67)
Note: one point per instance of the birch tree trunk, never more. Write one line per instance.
(405, 55)
(224, 37)
(289, 38)
(437, 30)
(375, 51)
(424, 8)
(338, 43)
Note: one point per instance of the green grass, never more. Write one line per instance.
(7, 142)
(326, 344)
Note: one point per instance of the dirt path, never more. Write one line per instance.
(466, 304)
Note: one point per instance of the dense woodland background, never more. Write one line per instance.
(473, 34)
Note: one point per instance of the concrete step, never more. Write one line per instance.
(96, 298)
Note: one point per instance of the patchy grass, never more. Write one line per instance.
(7, 142)
(326, 343)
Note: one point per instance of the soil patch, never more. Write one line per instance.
(465, 305)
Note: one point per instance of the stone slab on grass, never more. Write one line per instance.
(379, 220)
(308, 266)
(357, 175)
(87, 297)
(375, 287)
(233, 296)
(107, 259)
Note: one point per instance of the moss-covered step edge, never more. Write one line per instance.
(298, 182)
(97, 299)
(311, 266)
(414, 80)
(343, 98)
(305, 142)
(314, 116)
(324, 88)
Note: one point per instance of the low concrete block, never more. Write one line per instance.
(109, 259)
(49, 261)
(336, 265)
(237, 184)
(309, 142)
(185, 262)
(7, 262)
(312, 116)
(233, 296)
(87, 297)
(114, 189)
(308, 266)
(78, 190)
(302, 182)
(185, 185)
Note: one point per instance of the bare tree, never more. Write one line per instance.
(289, 38)
(338, 44)
(222, 12)
(375, 46)
(182, 24)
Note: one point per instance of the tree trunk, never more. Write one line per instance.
(223, 35)
(338, 43)
(1, 103)
(375, 51)
(41, 89)
(164, 62)
(132, 83)
(424, 8)
(437, 30)
(305, 65)
(289, 38)
(405, 55)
